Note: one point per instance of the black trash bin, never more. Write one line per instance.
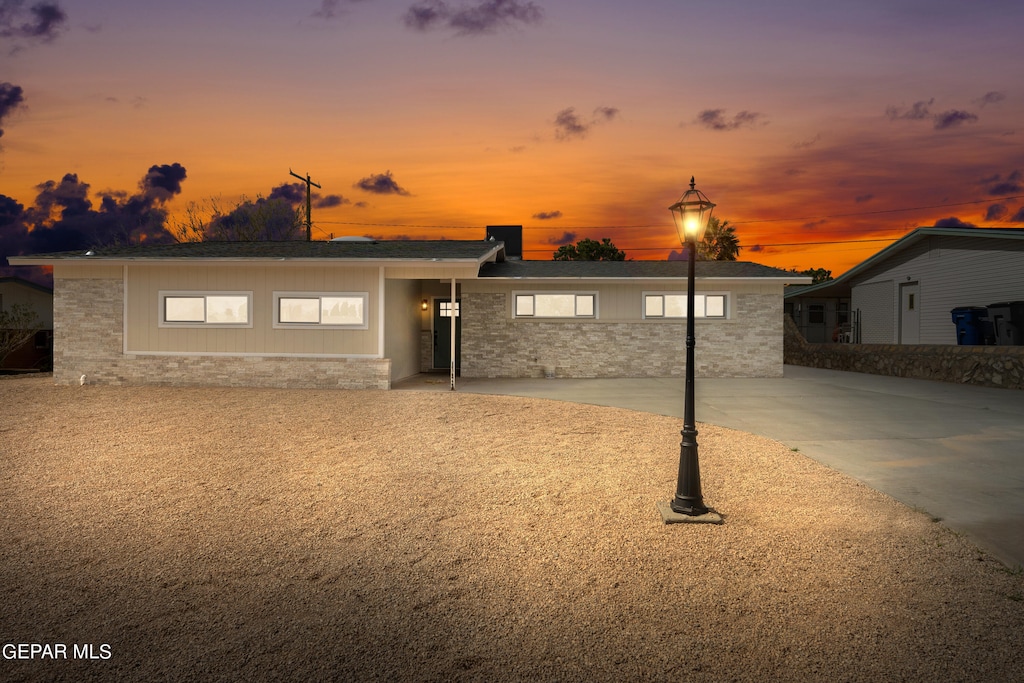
(970, 324)
(1008, 319)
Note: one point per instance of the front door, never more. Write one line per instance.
(910, 313)
(443, 334)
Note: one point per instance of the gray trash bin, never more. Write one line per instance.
(1008, 319)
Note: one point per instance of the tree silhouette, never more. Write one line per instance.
(720, 242)
(590, 250)
(816, 274)
(18, 324)
(271, 218)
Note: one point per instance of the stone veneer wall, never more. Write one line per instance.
(88, 340)
(992, 366)
(496, 346)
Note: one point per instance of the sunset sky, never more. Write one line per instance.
(813, 125)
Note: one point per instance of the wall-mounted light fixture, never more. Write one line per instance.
(424, 305)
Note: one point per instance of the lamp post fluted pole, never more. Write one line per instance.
(688, 499)
(691, 214)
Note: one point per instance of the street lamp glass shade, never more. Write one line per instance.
(691, 214)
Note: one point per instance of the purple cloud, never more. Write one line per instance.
(381, 183)
(860, 199)
(953, 117)
(1019, 216)
(547, 215)
(483, 17)
(996, 212)
(563, 239)
(1001, 187)
(43, 21)
(293, 193)
(11, 97)
(569, 125)
(953, 222)
(328, 201)
(994, 97)
(918, 111)
(716, 119)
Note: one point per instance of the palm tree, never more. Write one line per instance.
(720, 242)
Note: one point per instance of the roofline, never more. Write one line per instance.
(490, 255)
(556, 278)
(26, 283)
(904, 242)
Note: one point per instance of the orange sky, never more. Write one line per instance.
(806, 124)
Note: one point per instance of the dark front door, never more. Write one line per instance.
(443, 334)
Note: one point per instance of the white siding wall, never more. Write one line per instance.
(952, 272)
(876, 301)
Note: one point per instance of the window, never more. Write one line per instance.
(556, 305)
(320, 309)
(205, 309)
(674, 305)
(816, 314)
(446, 309)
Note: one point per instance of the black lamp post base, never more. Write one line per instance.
(672, 517)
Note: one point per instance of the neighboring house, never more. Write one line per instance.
(905, 293)
(356, 313)
(37, 352)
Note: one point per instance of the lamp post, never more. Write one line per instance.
(691, 214)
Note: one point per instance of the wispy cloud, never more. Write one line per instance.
(569, 125)
(484, 17)
(918, 111)
(563, 239)
(381, 183)
(331, 8)
(860, 199)
(716, 119)
(921, 111)
(327, 201)
(1018, 217)
(993, 97)
(805, 144)
(547, 215)
(953, 117)
(999, 186)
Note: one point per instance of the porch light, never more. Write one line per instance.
(691, 214)
(424, 305)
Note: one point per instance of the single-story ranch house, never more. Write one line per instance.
(359, 313)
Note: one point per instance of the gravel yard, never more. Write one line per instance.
(260, 534)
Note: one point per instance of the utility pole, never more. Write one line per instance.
(309, 205)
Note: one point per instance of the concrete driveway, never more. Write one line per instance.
(954, 451)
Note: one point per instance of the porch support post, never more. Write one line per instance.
(454, 310)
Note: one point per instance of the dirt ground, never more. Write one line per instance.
(258, 534)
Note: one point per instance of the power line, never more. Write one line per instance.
(778, 244)
(874, 213)
(664, 225)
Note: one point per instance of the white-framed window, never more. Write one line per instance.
(446, 309)
(673, 305)
(205, 309)
(315, 310)
(555, 305)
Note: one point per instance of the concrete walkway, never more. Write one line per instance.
(954, 451)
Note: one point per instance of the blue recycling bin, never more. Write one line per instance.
(1008, 319)
(970, 324)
